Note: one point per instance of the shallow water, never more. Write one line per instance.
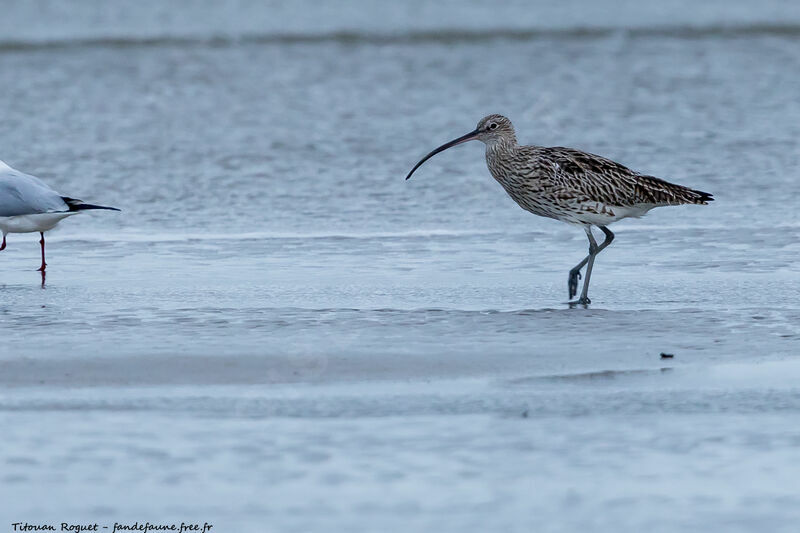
(284, 316)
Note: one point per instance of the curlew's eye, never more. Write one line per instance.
(493, 126)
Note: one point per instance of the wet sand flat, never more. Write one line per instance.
(278, 333)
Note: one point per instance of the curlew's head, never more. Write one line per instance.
(496, 129)
(491, 130)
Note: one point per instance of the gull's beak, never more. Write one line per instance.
(464, 138)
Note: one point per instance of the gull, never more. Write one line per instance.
(28, 205)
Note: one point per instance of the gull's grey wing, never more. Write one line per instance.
(22, 194)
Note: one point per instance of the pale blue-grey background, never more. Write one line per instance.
(279, 333)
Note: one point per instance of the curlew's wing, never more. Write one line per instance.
(22, 194)
(588, 177)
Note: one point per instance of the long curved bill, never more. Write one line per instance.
(464, 138)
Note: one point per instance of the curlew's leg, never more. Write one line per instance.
(607, 241)
(574, 274)
(593, 249)
(41, 242)
(3, 246)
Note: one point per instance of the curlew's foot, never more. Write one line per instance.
(572, 283)
(580, 301)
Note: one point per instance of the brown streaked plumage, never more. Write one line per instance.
(572, 186)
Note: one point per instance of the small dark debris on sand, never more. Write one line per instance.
(667, 355)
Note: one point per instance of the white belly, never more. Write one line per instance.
(32, 223)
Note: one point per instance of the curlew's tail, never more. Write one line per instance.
(77, 205)
(702, 198)
(656, 192)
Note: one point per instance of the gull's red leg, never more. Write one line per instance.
(44, 265)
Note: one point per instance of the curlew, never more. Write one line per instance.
(571, 186)
(28, 205)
